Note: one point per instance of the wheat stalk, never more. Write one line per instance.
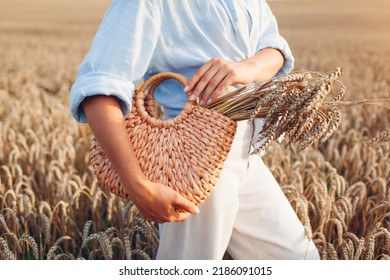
(30, 241)
(6, 253)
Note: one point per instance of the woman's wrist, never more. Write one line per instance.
(267, 63)
(253, 69)
(136, 186)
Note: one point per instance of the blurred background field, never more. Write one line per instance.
(50, 204)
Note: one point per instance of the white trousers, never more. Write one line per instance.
(247, 214)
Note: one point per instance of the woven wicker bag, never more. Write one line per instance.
(185, 153)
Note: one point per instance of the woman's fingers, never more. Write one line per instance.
(196, 78)
(148, 216)
(202, 77)
(212, 79)
(213, 92)
(210, 92)
(166, 205)
(205, 86)
(175, 215)
(180, 216)
(182, 203)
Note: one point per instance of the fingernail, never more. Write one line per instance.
(201, 103)
(186, 88)
(208, 101)
(192, 97)
(196, 210)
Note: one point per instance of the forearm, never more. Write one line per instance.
(105, 118)
(266, 63)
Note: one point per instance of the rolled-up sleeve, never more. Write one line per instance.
(120, 54)
(271, 38)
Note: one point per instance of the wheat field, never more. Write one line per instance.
(51, 206)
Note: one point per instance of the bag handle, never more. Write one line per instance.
(146, 97)
(157, 79)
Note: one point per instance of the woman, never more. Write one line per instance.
(217, 44)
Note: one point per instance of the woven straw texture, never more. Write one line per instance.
(185, 153)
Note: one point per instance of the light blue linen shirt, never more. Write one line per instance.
(139, 38)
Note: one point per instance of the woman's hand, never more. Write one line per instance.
(160, 203)
(214, 77)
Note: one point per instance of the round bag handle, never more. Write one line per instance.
(157, 79)
(154, 82)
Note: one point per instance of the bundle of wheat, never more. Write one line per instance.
(303, 106)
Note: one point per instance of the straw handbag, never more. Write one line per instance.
(185, 153)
